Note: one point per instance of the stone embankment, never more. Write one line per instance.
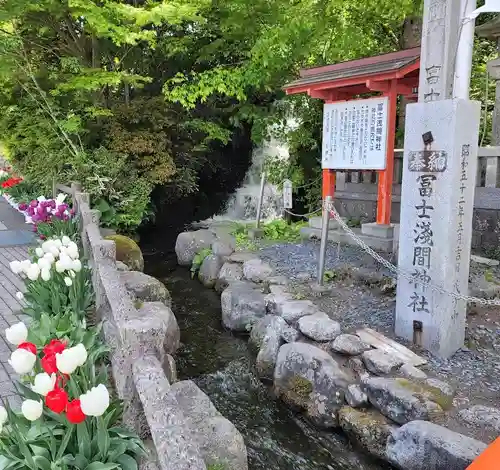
(374, 390)
(182, 428)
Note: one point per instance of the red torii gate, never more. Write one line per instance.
(392, 74)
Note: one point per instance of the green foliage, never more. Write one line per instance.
(58, 227)
(274, 231)
(198, 260)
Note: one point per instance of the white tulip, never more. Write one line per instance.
(19, 296)
(68, 281)
(60, 198)
(72, 250)
(58, 243)
(66, 240)
(17, 333)
(44, 263)
(95, 402)
(71, 358)
(49, 257)
(47, 245)
(22, 361)
(33, 272)
(45, 274)
(44, 383)
(25, 265)
(54, 251)
(76, 265)
(72, 274)
(31, 409)
(81, 354)
(41, 198)
(39, 252)
(3, 415)
(16, 267)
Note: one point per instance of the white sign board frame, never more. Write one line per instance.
(355, 134)
(287, 194)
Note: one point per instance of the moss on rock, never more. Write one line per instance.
(427, 391)
(128, 252)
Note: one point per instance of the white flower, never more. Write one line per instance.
(47, 245)
(58, 243)
(22, 361)
(19, 296)
(76, 265)
(16, 267)
(68, 281)
(72, 250)
(95, 402)
(54, 251)
(3, 416)
(45, 274)
(66, 240)
(39, 252)
(17, 333)
(44, 263)
(41, 198)
(33, 272)
(49, 257)
(32, 410)
(44, 383)
(61, 266)
(25, 265)
(71, 358)
(60, 198)
(81, 353)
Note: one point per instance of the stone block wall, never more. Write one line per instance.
(358, 201)
(142, 370)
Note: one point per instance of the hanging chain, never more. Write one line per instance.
(408, 276)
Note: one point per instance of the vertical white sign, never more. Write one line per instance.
(287, 194)
(355, 134)
(439, 48)
(437, 202)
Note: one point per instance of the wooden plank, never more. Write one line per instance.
(379, 341)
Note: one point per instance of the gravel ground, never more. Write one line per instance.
(475, 369)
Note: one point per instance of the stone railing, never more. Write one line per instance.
(142, 371)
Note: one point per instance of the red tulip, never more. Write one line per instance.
(74, 412)
(55, 346)
(57, 400)
(29, 347)
(49, 363)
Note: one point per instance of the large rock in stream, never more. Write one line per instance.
(242, 307)
(209, 270)
(145, 288)
(420, 445)
(403, 400)
(309, 378)
(190, 243)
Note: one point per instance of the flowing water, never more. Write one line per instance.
(222, 365)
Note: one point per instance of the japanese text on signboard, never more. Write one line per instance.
(355, 135)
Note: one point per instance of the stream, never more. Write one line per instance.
(222, 365)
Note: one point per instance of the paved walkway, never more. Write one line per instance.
(15, 238)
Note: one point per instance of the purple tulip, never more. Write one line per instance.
(34, 203)
(23, 206)
(31, 211)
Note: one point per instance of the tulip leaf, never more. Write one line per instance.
(26, 392)
(41, 462)
(64, 442)
(80, 462)
(102, 466)
(127, 462)
(84, 439)
(102, 437)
